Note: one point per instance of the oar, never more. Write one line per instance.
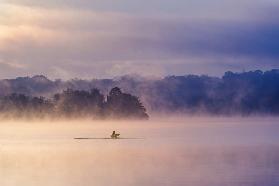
(104, 138)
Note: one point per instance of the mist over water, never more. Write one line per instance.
(196, 151)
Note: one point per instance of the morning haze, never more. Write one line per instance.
(139, 92)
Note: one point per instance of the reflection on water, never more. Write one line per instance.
(195, 152)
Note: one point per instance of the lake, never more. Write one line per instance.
(179, 151)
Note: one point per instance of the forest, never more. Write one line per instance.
(73, 104)
(235, 93)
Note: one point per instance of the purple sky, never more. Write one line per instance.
(106, 38)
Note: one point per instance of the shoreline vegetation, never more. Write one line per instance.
(71, 104)
(251, 93)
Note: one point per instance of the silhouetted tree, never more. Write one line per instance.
(19, 105)
(124, 105)
(79, 103)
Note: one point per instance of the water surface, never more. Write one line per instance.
(175, 151)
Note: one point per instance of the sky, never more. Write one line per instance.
(107, 38)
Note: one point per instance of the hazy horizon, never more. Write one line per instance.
(135, 75)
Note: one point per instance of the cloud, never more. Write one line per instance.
(84, 42)
(7, 67)
(217, 9)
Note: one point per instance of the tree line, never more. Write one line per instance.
(243, 93)
(74, 104)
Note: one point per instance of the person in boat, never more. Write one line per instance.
(114, 135)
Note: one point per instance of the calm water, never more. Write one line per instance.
(176, 151)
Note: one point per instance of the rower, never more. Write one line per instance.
(114, 135)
